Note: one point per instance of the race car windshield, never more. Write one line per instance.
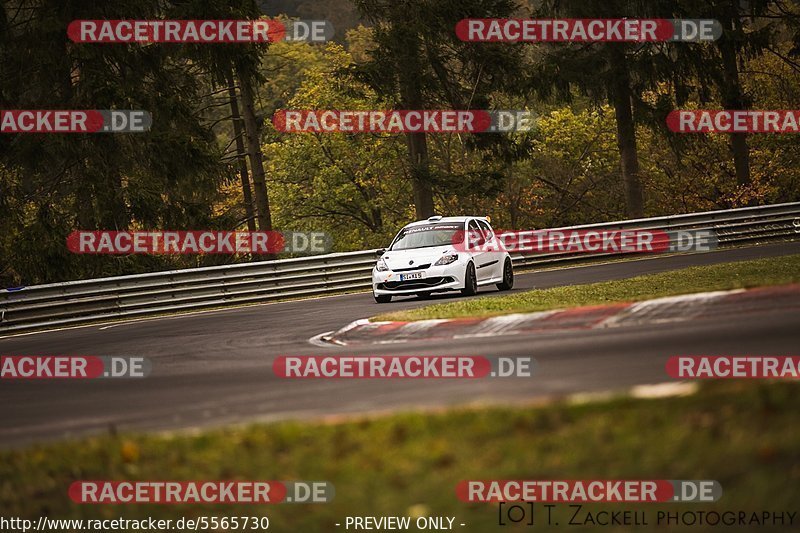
(428, 236)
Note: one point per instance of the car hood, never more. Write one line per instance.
(401, 259)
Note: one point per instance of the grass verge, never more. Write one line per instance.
(743, 434)
(723, 276)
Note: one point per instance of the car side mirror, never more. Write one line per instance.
(379, 252)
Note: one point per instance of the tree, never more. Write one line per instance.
(749, 29)
(419, 63)
(347, 184)
(253, 135)
(619, 72)
(167, 178)
(241, 154)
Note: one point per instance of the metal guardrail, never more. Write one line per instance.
(731, 226)
(85, 301)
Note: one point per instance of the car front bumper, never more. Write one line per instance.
(437, 278)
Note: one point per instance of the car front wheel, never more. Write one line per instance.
(382, 298)
(470, 281)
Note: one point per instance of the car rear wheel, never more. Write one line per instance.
(382, 298)
(470, 281)
(508, 277)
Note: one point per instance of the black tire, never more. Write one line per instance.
(382, 298)
(508, 277)
(470, 281)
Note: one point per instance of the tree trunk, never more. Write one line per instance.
(240, 153)
(254, 154)
(626, 134)
(741, 157)
(733, 98)
(410, 76)
(420, 174)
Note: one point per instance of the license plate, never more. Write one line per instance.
(413, 275)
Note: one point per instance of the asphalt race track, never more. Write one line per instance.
(215, 367)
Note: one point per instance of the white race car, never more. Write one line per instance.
(442, 254)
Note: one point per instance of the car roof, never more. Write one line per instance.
(445, 220)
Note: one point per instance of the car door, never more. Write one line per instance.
(492, 260)
(477, 238)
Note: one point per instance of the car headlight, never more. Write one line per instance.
(381, 266)
(446, 259)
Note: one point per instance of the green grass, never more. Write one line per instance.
(724, 276)
(744, 434)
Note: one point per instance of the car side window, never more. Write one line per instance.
(476, 235)
(487, 230)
